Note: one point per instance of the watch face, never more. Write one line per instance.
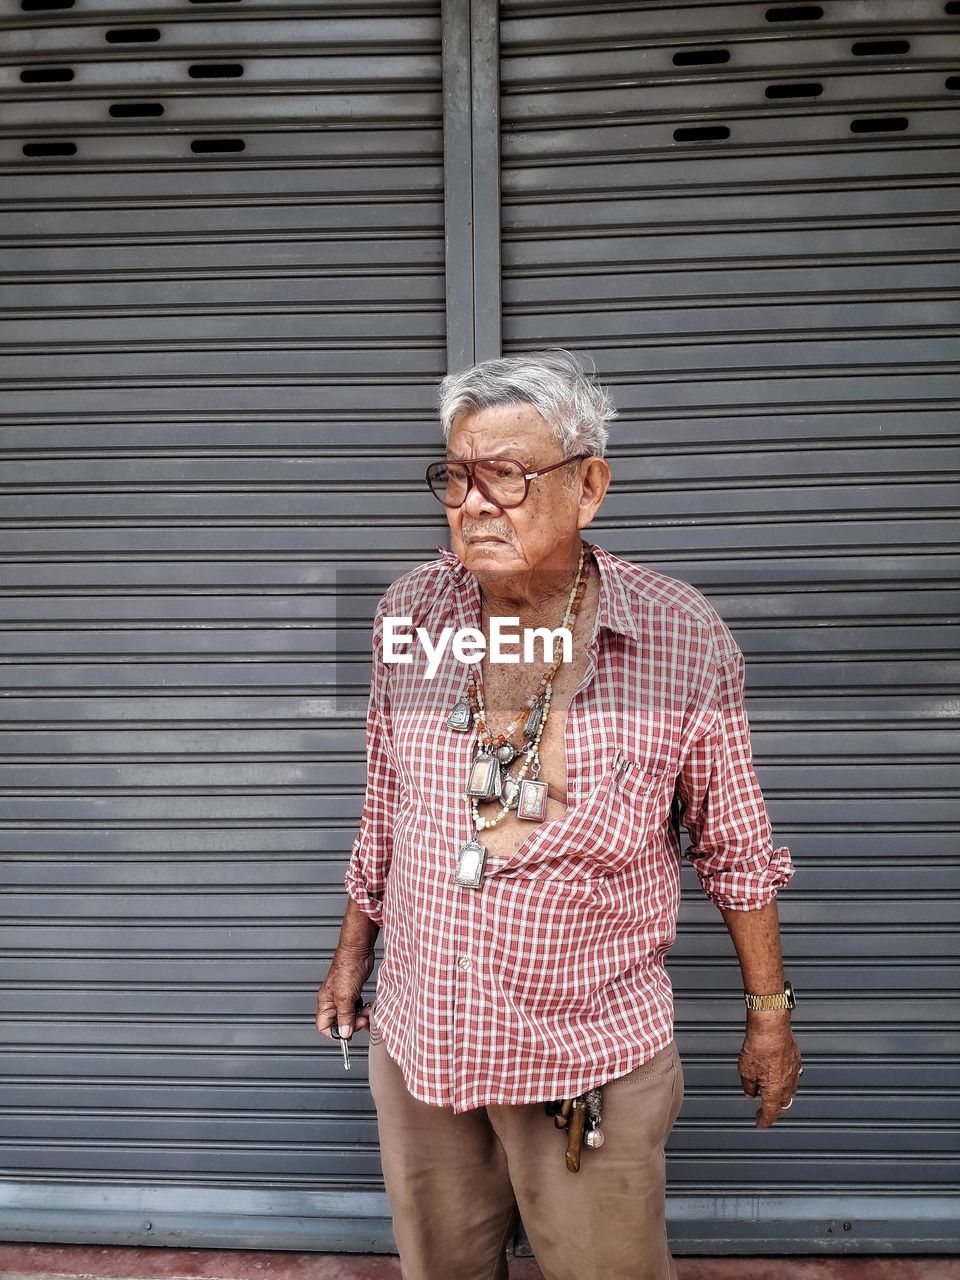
(791, 998)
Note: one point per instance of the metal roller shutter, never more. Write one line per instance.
(748, 214)
(222, 313)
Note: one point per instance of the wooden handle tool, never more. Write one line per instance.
(561, 1119)
(578, 1120)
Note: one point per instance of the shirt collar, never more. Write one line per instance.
(615, 610)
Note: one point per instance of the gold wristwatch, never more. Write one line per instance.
(785, 1000)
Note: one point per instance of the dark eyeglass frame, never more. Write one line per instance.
(469, 464)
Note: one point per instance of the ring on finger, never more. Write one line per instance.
(787, 1105)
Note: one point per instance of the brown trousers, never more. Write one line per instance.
(455, 1182)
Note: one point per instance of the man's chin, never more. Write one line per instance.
(488, 554)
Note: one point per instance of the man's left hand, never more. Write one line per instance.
(769, 1064)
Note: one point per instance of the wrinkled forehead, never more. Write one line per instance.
(510, 430)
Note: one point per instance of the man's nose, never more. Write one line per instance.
(475, 504)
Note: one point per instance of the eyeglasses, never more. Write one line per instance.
(502, 481)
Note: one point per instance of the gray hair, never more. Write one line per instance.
(558, 383)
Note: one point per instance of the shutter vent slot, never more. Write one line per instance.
(214, 70)
(32, 6)
(700, 57)
(796, 13)
(879, 124)
(46, 75)
(126, 110)
(701, 133)
(811, 90)
(49, 148)
(952, 82)
(132, 35)
(203, 146)
(953, 6)
(878, 48)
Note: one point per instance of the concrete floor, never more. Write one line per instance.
(93, 1262)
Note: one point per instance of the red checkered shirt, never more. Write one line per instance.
(507, 993)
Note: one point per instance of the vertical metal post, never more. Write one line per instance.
(471, 149)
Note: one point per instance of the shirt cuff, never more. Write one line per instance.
(753, 884)
(369, 903)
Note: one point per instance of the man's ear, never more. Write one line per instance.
(594, 483)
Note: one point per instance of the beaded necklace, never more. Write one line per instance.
(531, 718)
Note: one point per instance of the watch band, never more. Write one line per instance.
(784, 1000)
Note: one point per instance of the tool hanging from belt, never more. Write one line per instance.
(580, 1116)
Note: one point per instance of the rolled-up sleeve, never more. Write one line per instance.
(723, 808)
(372, 852)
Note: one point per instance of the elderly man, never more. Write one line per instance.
(519, 849)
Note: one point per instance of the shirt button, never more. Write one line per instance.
(464, 962)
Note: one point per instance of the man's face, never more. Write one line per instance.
(540, 533)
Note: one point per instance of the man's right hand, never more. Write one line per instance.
(339, 993)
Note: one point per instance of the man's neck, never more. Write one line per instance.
(535, 596)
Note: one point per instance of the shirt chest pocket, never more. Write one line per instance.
(608, 830)
(637, 782)
(642, 798)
